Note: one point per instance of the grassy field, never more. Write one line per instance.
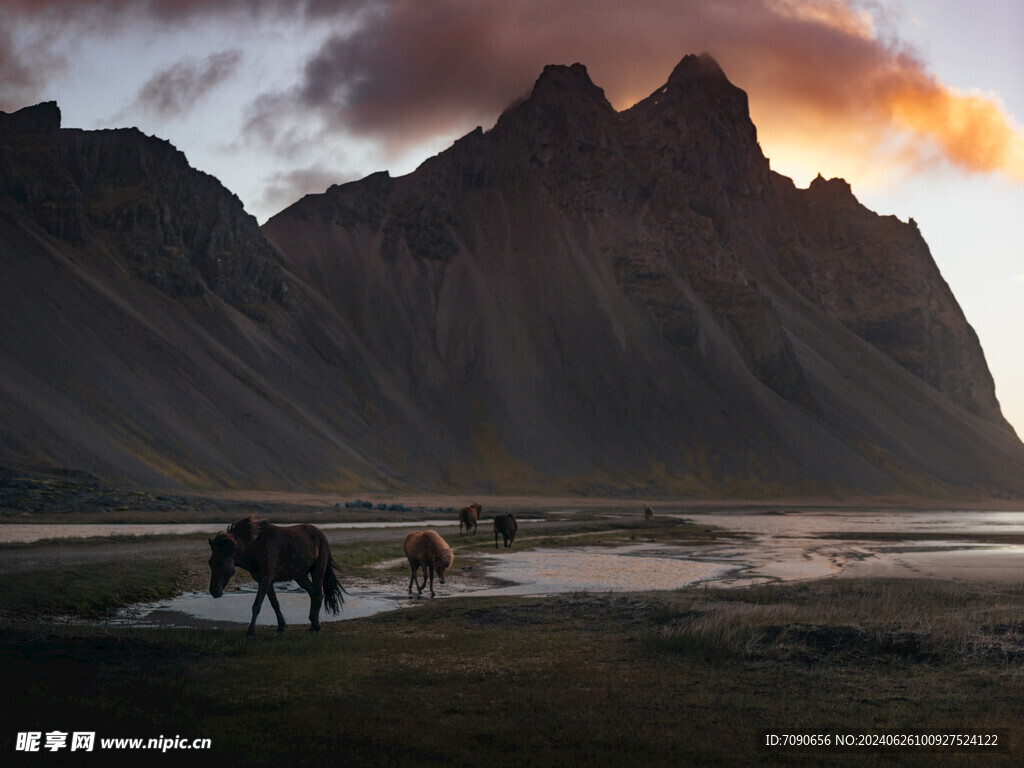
(694, 677)
(691, 677)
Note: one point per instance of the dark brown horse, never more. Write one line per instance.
(468, 516)
(427, 550)
(270, 554)
(648, 513)
(507, 526)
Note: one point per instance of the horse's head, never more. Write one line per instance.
(442, 563)
(222, 562)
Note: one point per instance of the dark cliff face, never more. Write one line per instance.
(876, 275)
(634, 299)
(178, 228)
(577, 300)
(148, 332)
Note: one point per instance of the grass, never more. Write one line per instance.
(924, 621)
(693, 677)
(92, 589)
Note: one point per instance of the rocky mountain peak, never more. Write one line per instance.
(693, 66)
(836, 188)
(37, 119)
(566, 85)
(698, 83)
(698, 124)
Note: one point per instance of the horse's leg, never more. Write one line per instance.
(414, 580)
(431, 567)
(276, 606)
(261, 592)
(316, 597)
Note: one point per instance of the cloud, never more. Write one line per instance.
(830, 82)
(38, 38)
(25, 67)
(817, 71)
(970, 130)
(176, 10)
(284, 188)
(174, 90)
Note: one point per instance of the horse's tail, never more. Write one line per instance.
(332, 588)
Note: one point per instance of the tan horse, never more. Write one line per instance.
(468, 516)
(648, 513)
(270, 554)
(427, 550)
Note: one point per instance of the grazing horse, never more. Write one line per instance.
(648, 513)
(507, 526)
(427, 550)
(468, 516)
(271, 553)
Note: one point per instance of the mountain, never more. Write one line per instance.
(148, 333)
(577, 300)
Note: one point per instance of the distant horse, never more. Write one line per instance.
(507, 526)
(648, 513)
(427, 550)
(468, 516)
(271, 553)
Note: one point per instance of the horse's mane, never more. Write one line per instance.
(247, 529)
(446, 556)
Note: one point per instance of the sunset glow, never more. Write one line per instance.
(970, 130)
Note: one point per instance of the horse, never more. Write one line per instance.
(427, 550)
(271, 553)
(648, 513)
(507, 526)
(468, 516)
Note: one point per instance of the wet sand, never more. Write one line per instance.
(958, 545)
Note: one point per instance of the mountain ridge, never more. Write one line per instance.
(576, 300)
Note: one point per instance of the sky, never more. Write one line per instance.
(919, 104)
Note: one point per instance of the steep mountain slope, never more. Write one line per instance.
(146, 327)
(633, 298)
(575, 300)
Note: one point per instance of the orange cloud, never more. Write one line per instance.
(969, 129)
(831, 86)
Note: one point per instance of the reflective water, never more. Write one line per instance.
(768, 547)
(533, 572)
(599, 569)
(199, 609)
(958, 545)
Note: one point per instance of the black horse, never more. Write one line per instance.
(270, 554)
(507, 526)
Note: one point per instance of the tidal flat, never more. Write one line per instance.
(699, 675)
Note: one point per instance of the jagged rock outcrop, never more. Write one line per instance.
(180, 230)
(576, 300)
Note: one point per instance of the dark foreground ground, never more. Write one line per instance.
(691, 677)
(695, 677)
